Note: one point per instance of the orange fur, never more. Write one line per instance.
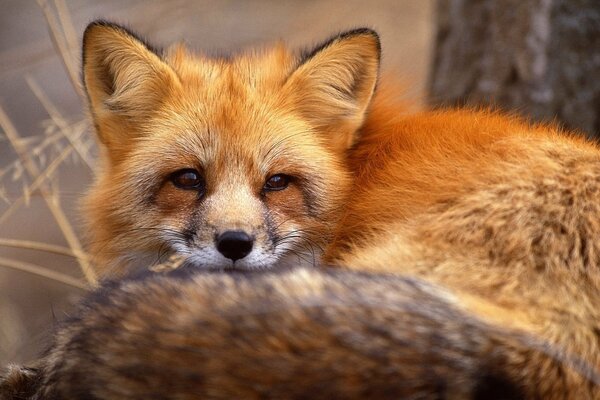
(408, 163)
(502, 212)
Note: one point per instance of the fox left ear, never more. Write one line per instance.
(333, 85)
(125, 80)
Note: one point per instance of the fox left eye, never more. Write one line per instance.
(189, 179)
(277, 182)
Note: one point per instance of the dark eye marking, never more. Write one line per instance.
(187, 179)
(277, 182)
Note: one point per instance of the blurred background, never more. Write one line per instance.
(538, 58)
(47, 150)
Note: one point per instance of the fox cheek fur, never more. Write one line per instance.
(162, 117)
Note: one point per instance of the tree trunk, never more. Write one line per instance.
(540, 58)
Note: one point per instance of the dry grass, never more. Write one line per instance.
(36, 171)
(30, 165)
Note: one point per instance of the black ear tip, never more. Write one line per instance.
(88, 33)
(100, 23)
(122, 29)
(363, 32)
(105, 24)
(360, 32)
(306, 55)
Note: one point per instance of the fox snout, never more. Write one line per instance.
(234, 245)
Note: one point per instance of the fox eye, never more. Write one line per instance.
(277, 182)
(188, 178)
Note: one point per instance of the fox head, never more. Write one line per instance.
(228, 162)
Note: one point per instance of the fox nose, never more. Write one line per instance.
(234, 244)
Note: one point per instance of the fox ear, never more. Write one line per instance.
(333, 85)
(124, 78)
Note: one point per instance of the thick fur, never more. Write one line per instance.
(501, 211)
(295, 335)
(237, 121)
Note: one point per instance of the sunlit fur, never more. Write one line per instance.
(504, 213)
(238, 121)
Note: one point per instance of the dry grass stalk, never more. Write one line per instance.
(174, 262)
(58, 119)
(64, 16)
(14, 206)
(39, 246)
(43, 272)
(54, 206)
(42, 177)
(60, 43)
(47, 173)
(35, 151)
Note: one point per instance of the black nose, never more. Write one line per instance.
(234, 244)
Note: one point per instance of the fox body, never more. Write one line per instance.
(228, 162)
(493, 224)
(503, 213)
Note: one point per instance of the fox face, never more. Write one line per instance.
(227, 162)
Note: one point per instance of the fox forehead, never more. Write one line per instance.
(255, 71)
(238, 99)
(230, 116)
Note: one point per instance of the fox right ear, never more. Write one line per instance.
(123, 77)
(333, 85)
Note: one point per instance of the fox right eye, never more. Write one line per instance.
(188, 179)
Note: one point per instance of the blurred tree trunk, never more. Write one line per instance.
(538, 57)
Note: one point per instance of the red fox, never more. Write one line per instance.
(228, 162)
(464, 245)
